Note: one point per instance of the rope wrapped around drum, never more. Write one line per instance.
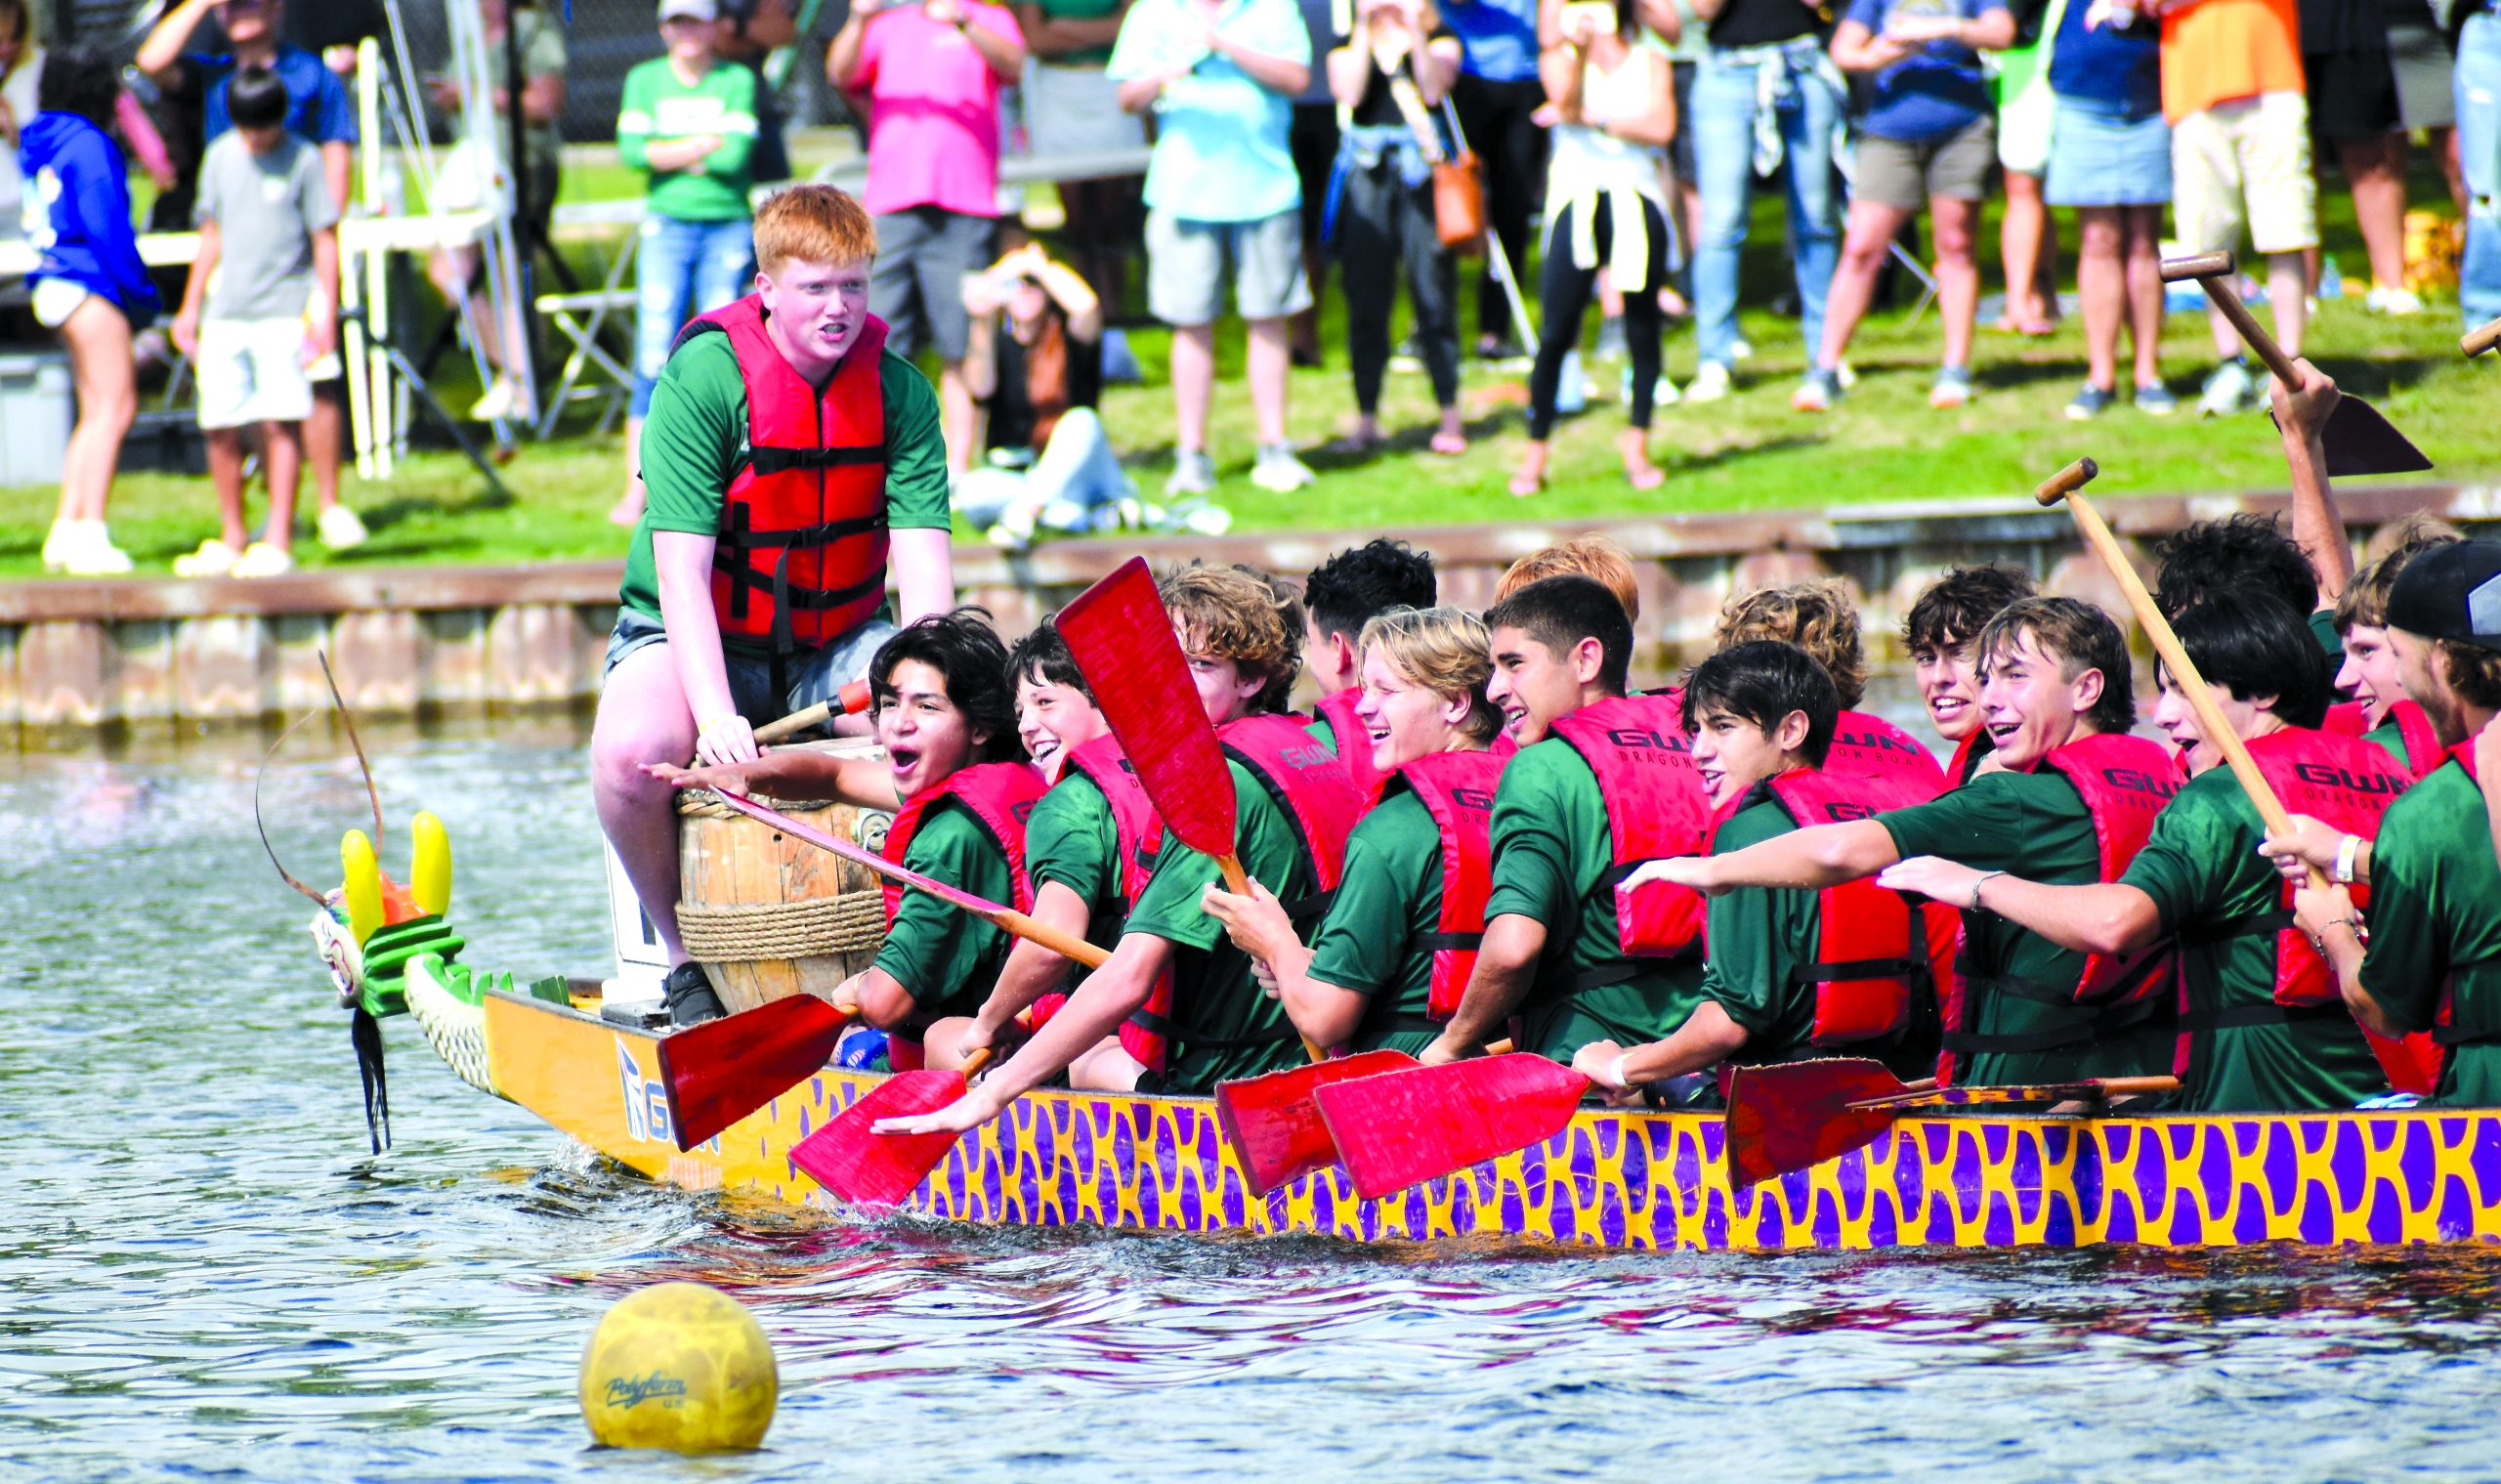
(826, 922)
(854, 922)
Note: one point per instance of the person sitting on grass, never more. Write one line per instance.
(1388, 961)
(1034, 366)
(1340, 598)
(1241, 640)
(259, 308)
(1760, 715)
(2073, 797)
(957, 776)
(1820, 618)
(1601, 782)
(2261, 1027)
(89, 285)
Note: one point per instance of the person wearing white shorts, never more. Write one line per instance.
(2248, 160)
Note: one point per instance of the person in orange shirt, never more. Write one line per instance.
(2233, 92)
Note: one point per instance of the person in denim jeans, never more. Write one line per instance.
(2479, 94)
(1765, 93)
(688, 122)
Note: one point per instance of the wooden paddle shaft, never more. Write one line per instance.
(2067, 485)
(2480, 339)
(2211, 270)
(854, 698)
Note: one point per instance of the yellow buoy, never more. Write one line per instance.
(430, 868)
(679, 1366)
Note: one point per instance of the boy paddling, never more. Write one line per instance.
(790, 461)
(1761, 715)
(1600, 782)
(1391, 957)
(2261, 1027)
(2074, 797)
(2432, 961)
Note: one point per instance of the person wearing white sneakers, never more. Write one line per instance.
(88, 284)
(269, 240)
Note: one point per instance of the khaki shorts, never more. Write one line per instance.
(1902, 175)
(1186, 268)
(2248, 156)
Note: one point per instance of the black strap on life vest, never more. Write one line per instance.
(2086, 1023)
(1616, 971)
(1859, 969)
(2244, 1016)
(771, 460)
(2258, 924)
(1451, 943)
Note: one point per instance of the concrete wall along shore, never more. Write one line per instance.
(151, 653)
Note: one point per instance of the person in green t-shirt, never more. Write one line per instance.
(2200, 870)
(1937, 635)
(675, 687)
(2435, 918)
(1365, 982)
(2369, 672)
(687, 120)
(2053, 670)
(1755, 710)
(941, 704)
(1558, 644)
(1240, 639)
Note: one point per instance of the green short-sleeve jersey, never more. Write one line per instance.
(2435, 922)
(696, 440)
(1071, 839)
(1378, 937)
(1759, 937)
(2391, 740)
(1554, 862)
(1080, 10)
(1226, 1025)
(2201, 868)
(656, 107)
(2031, 824)
(947, 960)
(2322, 627)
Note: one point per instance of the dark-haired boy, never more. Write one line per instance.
(956, 776)
(2261, 1027)
(1342, 595)
(2380, 711)
(1937, 633)
(2436, 890)
(2074, 799)
(1761, 715)
(1601, 781)
(1292, 806)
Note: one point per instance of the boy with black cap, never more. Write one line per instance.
(2433, 942)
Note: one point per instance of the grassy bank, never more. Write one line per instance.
(1882, 443)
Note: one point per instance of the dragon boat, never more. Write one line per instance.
(1612, 1181)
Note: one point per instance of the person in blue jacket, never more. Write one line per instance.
(89, 284)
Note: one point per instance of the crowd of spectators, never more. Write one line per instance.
(1616, 146)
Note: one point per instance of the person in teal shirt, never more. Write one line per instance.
(1365, 980)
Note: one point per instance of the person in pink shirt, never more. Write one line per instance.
(926, 77)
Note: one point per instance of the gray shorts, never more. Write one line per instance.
(808, 676)
(1902, 175)
(917, 287)
(1186, 262)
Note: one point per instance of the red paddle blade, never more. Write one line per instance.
(1122, 641)
(1796, 1114)
(866, 1169)
(1273, 1127)
(1403, 1128)
(719, 1072)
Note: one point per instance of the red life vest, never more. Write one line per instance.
(800, 556)
(1655, 807)
(1869, 746)
(1138, 834)
(1873, 948)
(1456, 788)
(1001, 796)
(1968, 754)
(1352, 739)
(1311, 784)
(2124, 783)
(2423, 749)
(2347, 783)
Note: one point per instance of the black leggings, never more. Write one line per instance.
(1563, 297)
(1383, 224)
(1494, 117)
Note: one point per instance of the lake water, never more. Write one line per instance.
(204, 1275)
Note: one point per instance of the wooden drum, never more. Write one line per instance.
(768, 916)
